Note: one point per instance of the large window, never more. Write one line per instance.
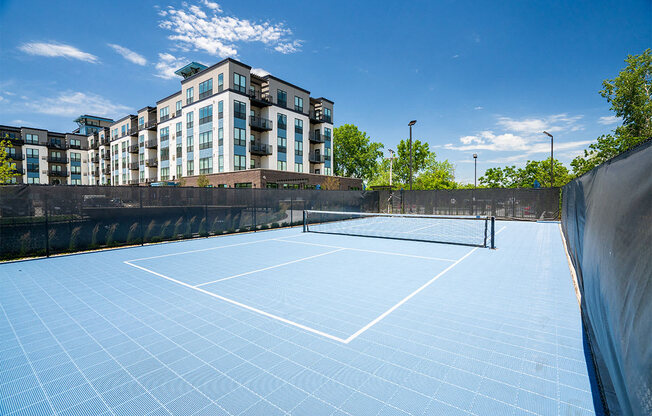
(239, 83)
(220, 83)
(206, 88)
(165, 135)
(179, 128)
(282, 98)
(165, 153)
(205, 140)
(328, 115)
(282, 144)
(206, 114)
(327, 133)
(190, 144)
(298, 103)
(31, 139)
(239, 110)
(189, 120)
(164, 114)
(205, 165)
(31, 153)
(220, 163)
(239, 137)
(75, 157)
(298, 167)
(298, 148)
(179, 171)
(75, 170)
(282, 165)
(190, 95)
(298, 126)
(141, 121)
(178, 108)
(239, 162)
(190, 167)
(282, 121)
(165, 174)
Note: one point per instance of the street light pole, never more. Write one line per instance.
(552, 161)
(475, 174)
(391, 162)
(411, 123)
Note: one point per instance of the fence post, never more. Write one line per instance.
(255, 220)
(206, 211)
(304, 220)
(493, 234)
(47, 228)
(291, 209)
(141, 216)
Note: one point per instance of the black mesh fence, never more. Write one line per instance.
(45, 220)
(512, 203)
(607, 223)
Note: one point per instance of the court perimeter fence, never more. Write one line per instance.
(41, 220)
(607, 223)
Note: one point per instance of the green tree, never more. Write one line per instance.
(381, 175)
(436, 174)
(630, 96)
(202, 181)
(7, 168)
(420, 154)
(512, 177)
(355, 155)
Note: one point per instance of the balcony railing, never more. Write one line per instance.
(106, 156)
(164, 118)
(259, 123)
(95, 145)
(316, 137)
(133, 132)
(15, 156)
(133, 165)
(177, 113)
(316, 158)
(56, 145)
(153, 162)
(260, 99)
(151, 144)
(57, 159)
(133, 148)
(76, 146)
(106, 171)
(133, 181)
(59, 173)
(95, 159)
(17, 141)
(260, 149)
(104, 141)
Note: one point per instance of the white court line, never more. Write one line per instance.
(405, 299)
(242, 305)
(270, 267)
(388, 253)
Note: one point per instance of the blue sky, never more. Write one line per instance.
(480, 77)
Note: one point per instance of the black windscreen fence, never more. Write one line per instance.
(607, 223)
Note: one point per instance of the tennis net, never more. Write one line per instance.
(472, 231)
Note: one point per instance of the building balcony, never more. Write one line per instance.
(56, 145)
(104, 141)
(76, 146)
(94, 159)
(18, 171)
(133, 181)
(151, 144)
(106, 171)
(57, 159)
(133, 132)
(133, 148)
(16, 141)
(106, 156)
(316, 158)
(151, 125)
(177, 113)
(259, 123)
(260, 99)
(152, 163)
(317, 117)
(133, 165)
(260, 149)
(164, 118)
(316, 137)
(15, 156)
(58, 173)
(95, 145)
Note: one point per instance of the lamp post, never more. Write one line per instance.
(475, 177)
(552, 161)
(411, 123)
(391, 162)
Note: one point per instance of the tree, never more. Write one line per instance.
(355, 155)
(436, 174)
(630, 96)
(420, 153)
(7, 168)
(511, 177)
(202, 181)
(331, 183)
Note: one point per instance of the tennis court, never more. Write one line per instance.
(287, 322)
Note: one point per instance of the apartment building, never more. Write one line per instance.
(223, 119)
(44, 157)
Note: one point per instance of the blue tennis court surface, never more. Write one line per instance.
(285, 322)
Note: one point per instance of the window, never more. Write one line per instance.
(75, 170)
(179, 128)
(220, 109)
(190, 167)
(190, 144)
(220, 163)
(33, 180)
(178, 108)
(298, 126)
(165, 174)
(220, 136)
(141, 159)
(239, 83)
(239, 137)
(243, 185)
(189, 120)
(282, 144)
(75, 157)
(282, 121)
(206, 89)
(239, 110)
(205, 165)
(141, 121)
(327, 171)
(282, 98)
(220, 82)
(298, 148)
(164, 114)
(31, 139)
(327, 115)
(298, 167)
(75, 181)
(298, 103)
(165, 153)
(281, 165)
(179, 150)
(124, 130)
(239, 162)
(165, 135)
(205, 140)
(206, 114)
(327, 133)
(75, 143)
(179, 171)
(141, 175)
(317, 171)
(32, 153)
(190, 92)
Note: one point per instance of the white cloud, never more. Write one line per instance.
(196, 30)
(609, 120)
(52, 49)
(1, 98)
(73, 103)
(167, 64)
(479, 108)
(532, 126)
(260, 72)
(456, 56)
(128, 54)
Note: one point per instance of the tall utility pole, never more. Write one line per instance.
(552, 161)
(475, 174)
(411, 123)
(391, 162)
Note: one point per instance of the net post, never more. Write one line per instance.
(493, 234)
(305, 222)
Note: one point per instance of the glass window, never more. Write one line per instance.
(189, 120)
(178, 108)
(206, 140)
(165, 135)
(190, 167)
(179, 171)
(76, 170)
(179, 128)
(75, 157)
(239, 162)
(206, 114)
(327, 133)
(190, 95)
(239, 83)
(282, 98)
(282, 144)
(206, 88)
(124, 128)
(298, 167)
(298, 126)
(298, 103)
(165, 174)
(32, 153)
(205, 165)
(220, 163)
(282, 121)
(298, 148)
(327, 115)
(164, 113)
(220, 82)
(239, 110)
(165, 153)
(281, 165)
(239, 137)
(220, 109)
(190, 143)
(31, 139)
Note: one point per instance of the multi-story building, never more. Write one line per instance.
(46, 157)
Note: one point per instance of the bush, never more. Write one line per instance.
(275, 225)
